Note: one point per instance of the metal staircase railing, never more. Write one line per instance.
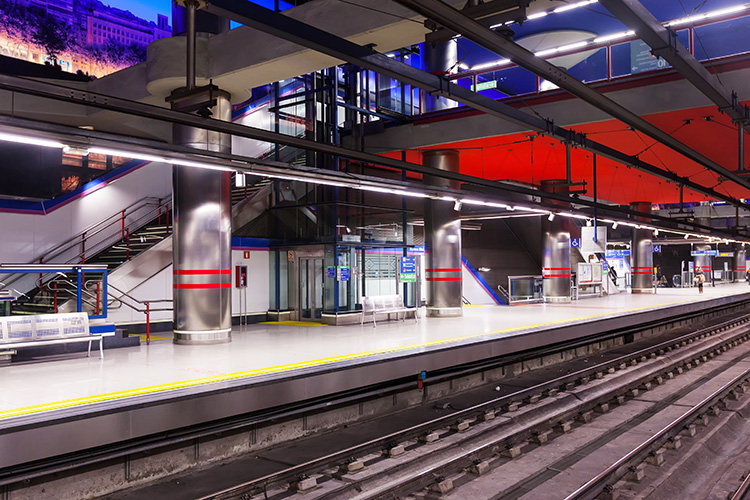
(103, 234)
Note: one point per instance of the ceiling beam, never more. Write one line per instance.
(663, 42)
(492, 190)
(316, 39)
(468, 28)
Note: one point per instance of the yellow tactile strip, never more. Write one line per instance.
(292, 323)
(58, 405)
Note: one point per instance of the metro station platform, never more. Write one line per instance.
(134, 392)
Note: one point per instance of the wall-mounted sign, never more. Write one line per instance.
(492, 84)
(246, 254)
(618, 254)
(575, 242)
(290, 255)
(657, 248)
(704, 253)
(330, 272)
(342, 273)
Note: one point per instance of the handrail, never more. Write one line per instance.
(145, 201)
(84, 236)
(147, 310)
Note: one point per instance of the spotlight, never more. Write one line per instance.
(687, 236)
(614, 226)
(656, 232)
(457, 206)
(551, 217)
(588, 223)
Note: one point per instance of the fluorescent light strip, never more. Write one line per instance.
(614, 36)
(395, 191)
(606, 38)
(32, 141)
(572, 6)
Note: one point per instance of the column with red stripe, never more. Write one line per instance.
(202, 237)
(442, 227)
(740, 263)
(641, 253)
(556, 251)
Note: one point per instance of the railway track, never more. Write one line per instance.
(455, 453)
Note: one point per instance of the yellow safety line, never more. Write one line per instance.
(57, 405)
(292, 323)
(143, 338)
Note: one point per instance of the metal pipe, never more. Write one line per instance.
(741, 144)
(455, 20)
(308, 36)
(191, 6)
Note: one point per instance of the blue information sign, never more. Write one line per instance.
(575, 242)
(343, 273)
(707, 253)
(617, 254)
(657, 248)
(408, 265)
(330, 272)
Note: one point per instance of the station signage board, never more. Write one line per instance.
(408, 269)
(342, 273)
(704, 253)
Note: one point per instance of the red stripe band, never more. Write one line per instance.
(202, 285)
(202, 271)
(444, 270)
(457, 278)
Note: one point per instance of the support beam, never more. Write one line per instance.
(492, 190)
(664, 44)
(284, 27)
(453, 19)
(26, 86)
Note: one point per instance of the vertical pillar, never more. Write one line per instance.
(740, 263)
(202, 241)
(556, 248)
(703, 262)
(641, 253)
(439, 59)
(442, 225)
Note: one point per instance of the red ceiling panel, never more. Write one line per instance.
(520, 158)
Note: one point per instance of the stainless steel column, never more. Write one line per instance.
(703, 262)
(642, 253)
(202, 241)
(442, 226)
(439, 59)
(556, 248)
(740, 263)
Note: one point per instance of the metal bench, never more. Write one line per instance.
(385, 304)
(47, 329)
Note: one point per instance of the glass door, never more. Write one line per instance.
(310, 288)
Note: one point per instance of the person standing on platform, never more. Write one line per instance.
(698, 280)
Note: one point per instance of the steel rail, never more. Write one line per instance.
(284, 27)
(742, 493)
(180, 436)
(415, 431)
(614, 472)
(279, 169)
(485, 37)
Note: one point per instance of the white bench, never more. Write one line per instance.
(385, 304)
(47, 329)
